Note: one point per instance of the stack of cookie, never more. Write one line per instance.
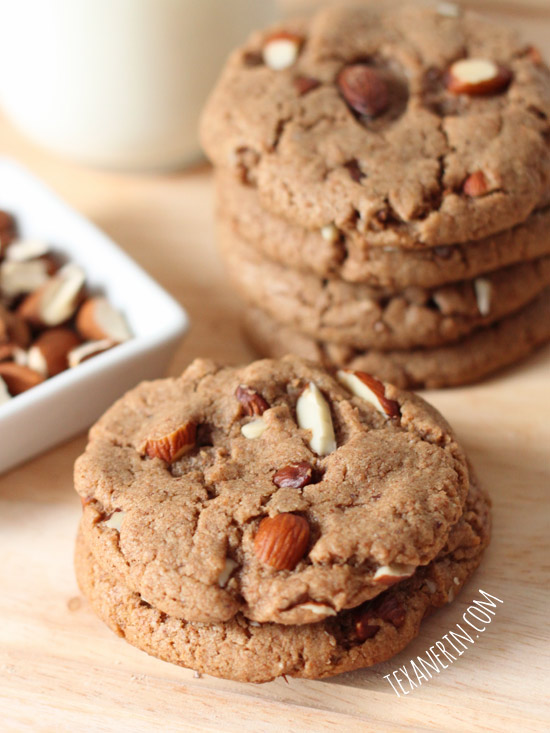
(383, 186)
(274, 520)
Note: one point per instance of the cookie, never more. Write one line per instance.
(271, 490)
(475, 357)
(364, 317)
(407, 126)
(331, 254)
(244, 650)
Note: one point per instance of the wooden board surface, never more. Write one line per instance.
(62, 670)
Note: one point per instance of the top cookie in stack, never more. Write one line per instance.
(383, 181)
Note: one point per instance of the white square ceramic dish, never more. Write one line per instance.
(69, 403)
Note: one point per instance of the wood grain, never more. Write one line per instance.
(62, 670)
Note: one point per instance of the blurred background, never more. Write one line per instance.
(120, 83)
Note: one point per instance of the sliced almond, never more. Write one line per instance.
(85, 351)
(56, 301)
(19, 378)
(228, 569)
(330, 233)
(431, 586)
(482, 289)
(49, 353)
(97, 320)
(477, 76)
(449, 10)
(318, 609)
(20, 277)
(389, 574)
(371, 390)
(173, 445)
(313, 414)
(281, 50)
(254, 428)
(22, 250)
(115, 520)
(5, 396)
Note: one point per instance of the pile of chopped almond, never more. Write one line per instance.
(49, 321)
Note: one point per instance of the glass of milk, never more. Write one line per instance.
(118, 83)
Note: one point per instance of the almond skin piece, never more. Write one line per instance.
(364, 89)
(252, 402)
(385, 608)
(172, 446)
(476, 184)
(19, 378)
(13, 328)
(477, 76)
(293, 476)
(535, 56)
(281, 541)
(49, 353)
(390, 609)
(305, 84)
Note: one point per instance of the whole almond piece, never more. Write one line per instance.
(49, 353)
(97, 319)
(313, 414)
(370, 389)
(477, 76)
(281, 541)
(364, 89)
(252, 402)
(56, 301)
(19, 378)
(85, 351)
(476, 184)
(293, 476)
(172, 445)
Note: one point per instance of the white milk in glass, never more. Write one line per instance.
(118, 83)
